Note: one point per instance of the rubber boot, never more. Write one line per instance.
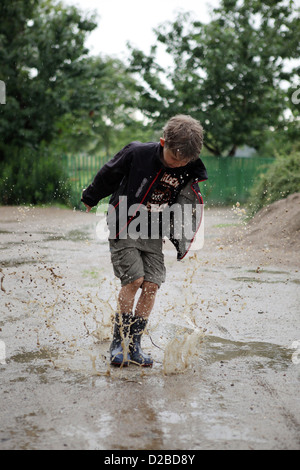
(119, 348)
(137, 356)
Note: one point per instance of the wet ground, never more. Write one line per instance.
(224, 335)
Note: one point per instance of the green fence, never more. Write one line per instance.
(230, 179)
(81, 170)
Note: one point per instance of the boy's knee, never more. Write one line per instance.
(137, 283)
(150, 287)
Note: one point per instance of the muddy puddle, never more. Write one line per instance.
(224, 336)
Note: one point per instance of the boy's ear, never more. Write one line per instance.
(162, 141)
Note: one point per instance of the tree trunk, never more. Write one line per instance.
(232, 151)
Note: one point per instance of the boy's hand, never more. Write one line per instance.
(88, 208)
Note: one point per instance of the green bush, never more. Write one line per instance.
(281, 180)
(34, 177)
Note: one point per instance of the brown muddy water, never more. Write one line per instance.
(224, 335)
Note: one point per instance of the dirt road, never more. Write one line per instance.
(224, 335)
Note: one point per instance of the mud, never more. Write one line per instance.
(224, 336)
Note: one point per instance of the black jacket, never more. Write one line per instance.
(134, 172)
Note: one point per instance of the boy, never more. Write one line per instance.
(152, 177)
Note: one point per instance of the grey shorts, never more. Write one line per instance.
(133, 259)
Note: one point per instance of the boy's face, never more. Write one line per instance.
(169, 159)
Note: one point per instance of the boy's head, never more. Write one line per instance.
(183, 138)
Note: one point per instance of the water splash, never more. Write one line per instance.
(184, 350)
(182, 353)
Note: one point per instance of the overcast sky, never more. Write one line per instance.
(120, 21)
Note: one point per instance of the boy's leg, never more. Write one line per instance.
(143, 309)
(146, 301)
(137, 323)
(144, 260)
(127, 295)
(119, 348)
(154, 275)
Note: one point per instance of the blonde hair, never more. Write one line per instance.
(184, 137)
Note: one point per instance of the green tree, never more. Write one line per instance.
(56, 93)
(41, 53)
(59, 99)
(109, 115)
(227, 73)
(280, 181)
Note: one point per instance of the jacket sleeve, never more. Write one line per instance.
(109, 177)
